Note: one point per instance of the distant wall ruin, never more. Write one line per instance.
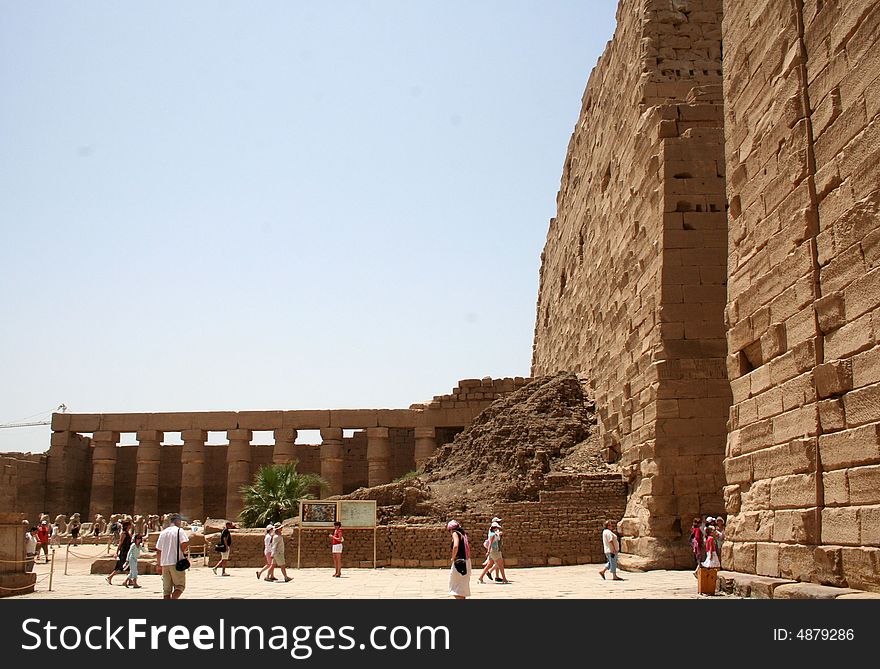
(87, 471)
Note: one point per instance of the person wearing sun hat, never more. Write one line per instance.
(278, 555)
(494, 557)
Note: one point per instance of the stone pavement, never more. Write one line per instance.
(573, 582)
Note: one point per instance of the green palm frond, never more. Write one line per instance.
(275, 494)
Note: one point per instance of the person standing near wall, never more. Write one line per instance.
(336, 548)
(611, 547)
(170, 547)
(226, 544)
(30, 547)
(43, 539)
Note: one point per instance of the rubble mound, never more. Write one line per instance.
(503, 456)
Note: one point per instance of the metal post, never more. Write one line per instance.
(299, 541)
(374, 547)
(66, 558)
(51, 570)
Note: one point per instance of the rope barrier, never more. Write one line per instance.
(17, 561)
(79, 555)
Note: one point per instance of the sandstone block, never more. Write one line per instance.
(354, 418)
(400, 418)
(848, 448)
(306, 419)
(835, 488)
(833, 378)
(831, 415)
(795, 526)
(864, 484)
(767, 559)
(795, 491)
(840, 526)
(869, 523)
(861, 567)
(259, 420)
(810, 591)
(862, 406)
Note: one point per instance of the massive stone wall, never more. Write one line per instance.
(632, 288)
(802, 94)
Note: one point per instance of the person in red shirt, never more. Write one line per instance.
(43, 540)
(336, 548)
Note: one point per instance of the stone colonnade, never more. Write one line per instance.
(238, 461)
(86, 465)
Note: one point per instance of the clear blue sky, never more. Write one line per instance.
(231, 206)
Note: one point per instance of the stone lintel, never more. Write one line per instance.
(354, 418)
(306, 419)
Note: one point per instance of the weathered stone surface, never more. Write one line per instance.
(810, 591)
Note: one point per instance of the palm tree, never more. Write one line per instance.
(275, 494)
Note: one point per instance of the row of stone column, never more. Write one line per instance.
(238, 460)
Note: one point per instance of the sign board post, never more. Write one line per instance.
(352, 514)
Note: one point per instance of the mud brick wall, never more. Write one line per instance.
(802, 93)
(632, 283)
(23, 484)
(563, 527)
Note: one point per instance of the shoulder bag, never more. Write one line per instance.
(182, 562)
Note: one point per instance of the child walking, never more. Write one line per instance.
(133, 554)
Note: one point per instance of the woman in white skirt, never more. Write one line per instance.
(460, 571)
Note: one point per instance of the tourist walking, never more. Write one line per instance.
(170, 547)
(134, 552)
(494, 558)
(336, 548)
(224, 547)
(74, 532)
(460, 570)
(30, 547)
(121, 553)
(278, 555)
(43, 539)
(611, 547)
(267, 549)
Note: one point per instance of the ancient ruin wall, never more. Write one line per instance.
(802, 95)
(23, 483)
(94, 474)
(632, 287)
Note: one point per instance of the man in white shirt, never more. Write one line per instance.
(170, 547)
(611, 547)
